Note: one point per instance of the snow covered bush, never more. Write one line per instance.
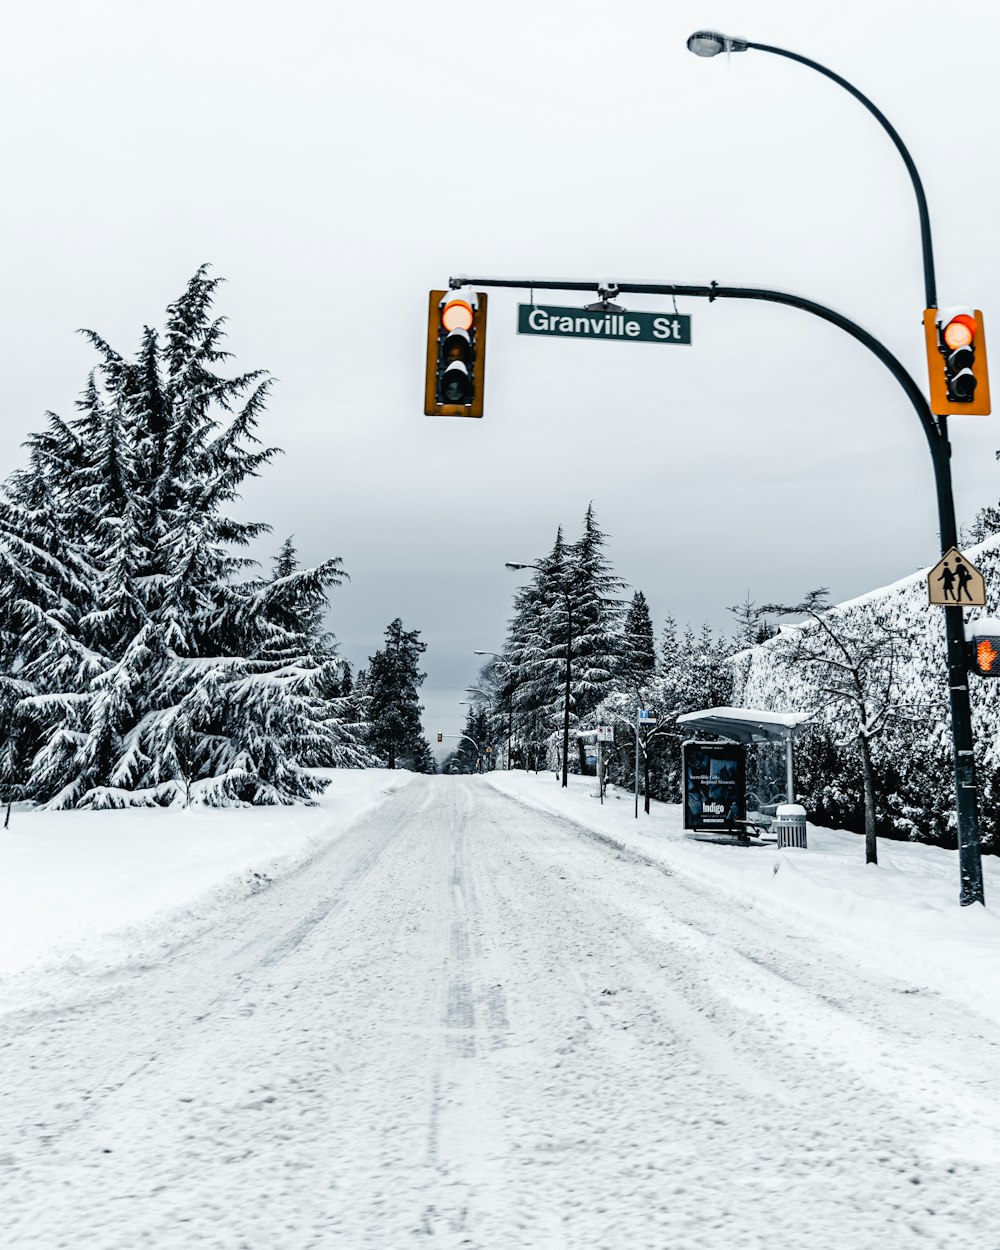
(912, 756)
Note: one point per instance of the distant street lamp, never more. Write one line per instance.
(709, 43)
(479, 749)
(510, 696)
(569, 659)
(490, 700)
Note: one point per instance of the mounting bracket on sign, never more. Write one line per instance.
(607, 291)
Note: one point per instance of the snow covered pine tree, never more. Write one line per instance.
(390, 684)
(138, 667)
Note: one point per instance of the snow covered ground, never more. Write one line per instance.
(468, 1021)
(72, 884)
(901, 915)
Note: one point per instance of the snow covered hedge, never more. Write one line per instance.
(914, 754)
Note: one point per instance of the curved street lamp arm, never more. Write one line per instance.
(930, 285)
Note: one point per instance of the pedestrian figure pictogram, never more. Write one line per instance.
(955, 581)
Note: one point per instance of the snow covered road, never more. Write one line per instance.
(471, 1023)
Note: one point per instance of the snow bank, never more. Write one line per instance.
(74, 881)
(902, 915)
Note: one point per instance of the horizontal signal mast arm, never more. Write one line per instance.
(936, 437)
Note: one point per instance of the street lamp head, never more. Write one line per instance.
(711, 43)
(510, 565)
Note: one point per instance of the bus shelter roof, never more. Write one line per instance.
(746, 724)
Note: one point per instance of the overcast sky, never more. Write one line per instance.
(335, 162)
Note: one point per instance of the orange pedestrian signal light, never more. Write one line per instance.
(456, 354)
(985, 647)
(956, 362)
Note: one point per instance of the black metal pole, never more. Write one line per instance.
(970, 866)
(936, 433)
(569, 671)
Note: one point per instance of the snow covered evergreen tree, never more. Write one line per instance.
(569, 611)
(391, 683)
(145, 667)
(638, 648)
(597, 642)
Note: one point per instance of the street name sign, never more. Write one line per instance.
(955, 581)
(584, 323)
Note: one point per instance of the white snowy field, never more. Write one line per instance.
(469, 1021)
(72, 884)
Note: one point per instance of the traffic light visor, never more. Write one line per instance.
(457, 314)
(457, 346)
(960, 331)
(456, 385)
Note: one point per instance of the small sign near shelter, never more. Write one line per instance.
(956, 582)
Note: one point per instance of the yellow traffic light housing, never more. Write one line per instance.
(456, 354)
(956, 362)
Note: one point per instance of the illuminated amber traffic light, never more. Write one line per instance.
(456, 354)
(956, 361)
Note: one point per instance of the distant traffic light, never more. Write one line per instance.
(956, 361)
(985, 647)
(456, 354)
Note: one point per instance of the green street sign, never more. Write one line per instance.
(581, 323)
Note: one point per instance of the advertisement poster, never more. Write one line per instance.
(714, 784)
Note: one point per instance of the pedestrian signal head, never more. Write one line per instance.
(956, 361)
(986, 647)
(456, 354)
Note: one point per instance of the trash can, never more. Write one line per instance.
(790, 825)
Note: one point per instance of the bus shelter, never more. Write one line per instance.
(751, 726)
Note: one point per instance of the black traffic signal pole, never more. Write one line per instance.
(936, 432)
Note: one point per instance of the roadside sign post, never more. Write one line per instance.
(605, 733)
(643, 716)
(638, 714)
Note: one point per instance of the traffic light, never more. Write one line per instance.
(440, 737)
(956, 361)
(456, 354)
(985, 647)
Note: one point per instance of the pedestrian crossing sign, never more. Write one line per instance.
(956, 582)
